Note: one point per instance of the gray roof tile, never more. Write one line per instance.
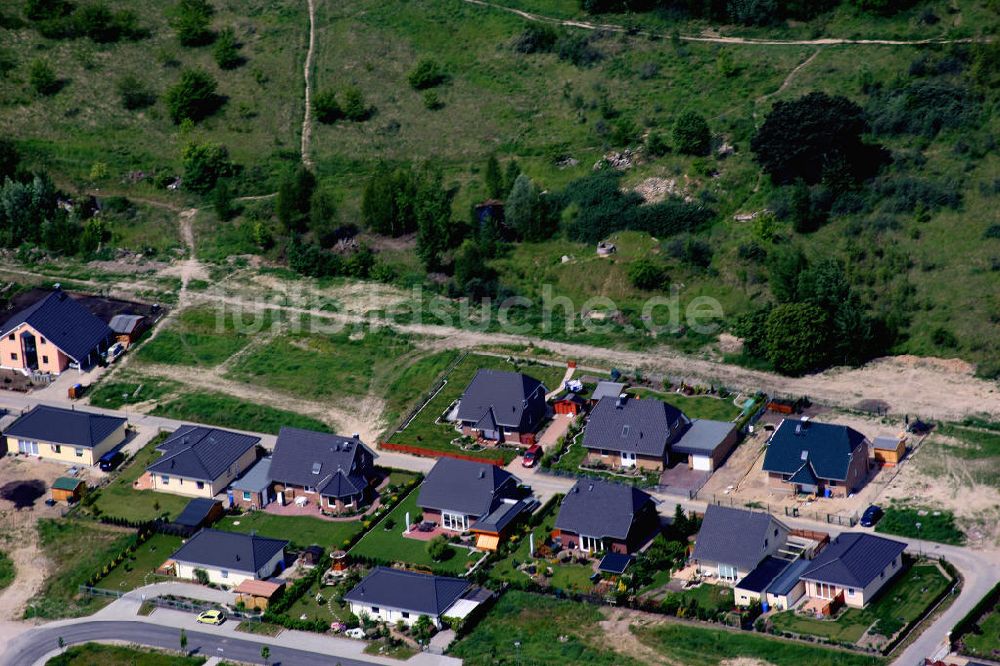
(408, 591)
(63, 322)
(472, 488)
(331, 464)
(73, 427)
(735, 536)
(517, 400)
(229, 550)
(601, 509)
(827, 447)
(204, 454)
(645, 427)
(853, 559)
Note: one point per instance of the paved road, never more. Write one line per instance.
(33, 647)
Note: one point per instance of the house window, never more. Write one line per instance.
(200, 485)
(10, 337)
(13, 356)
(375, 609)
(225, 574)
(41, 340)
(165, 480)
(727, 572)
(246, 495)
(79, 453)
(56, 448)
(765, 543)
(850, 591)
(405, 615)
(454, 521)
(310, 489)
(894, 564)
(590, 544)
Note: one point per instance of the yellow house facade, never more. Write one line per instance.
(65, 435)
(165, 482)
(198, 461)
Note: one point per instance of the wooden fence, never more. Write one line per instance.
(437, 453)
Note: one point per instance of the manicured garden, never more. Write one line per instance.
(301, 531)
(138, 568)
(903, 601)
(424, 431)
(120, 500)
(389, 545)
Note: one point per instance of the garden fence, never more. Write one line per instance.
(848, 520)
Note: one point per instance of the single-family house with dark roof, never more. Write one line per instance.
(229, 558)
(706, 444)
(394, 595)
(816, 458)
(606, 390)
(599, 516)
(67, 435)
(253, 490)
(502, 406)
(333, 472)
(458, 494)
(629, 432)
(853, 568)
(53, 334)
(197, 461)
(732, 542)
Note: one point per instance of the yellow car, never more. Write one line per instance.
(212, 617)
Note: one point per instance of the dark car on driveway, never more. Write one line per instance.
(871, 516)
(111, 460)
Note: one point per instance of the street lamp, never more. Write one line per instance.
(920, 551)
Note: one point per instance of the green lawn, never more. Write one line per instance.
(935, 525)
(903, 601)
(985, 642)
(121, 500)
(7, 571)
(393, 546)
(302, 531)
(695, 407)
(96, 654)
(708, 595)
(697, 646)
(303, 364)
(550, 631)
(202, 336)
(138, 567)
(228, 412)
(329, 610)
(424, 432)
(75, 550)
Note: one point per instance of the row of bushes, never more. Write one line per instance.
(141, 537)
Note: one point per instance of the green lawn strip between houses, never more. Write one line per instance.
(384, 545)
(423, 431)
(903, 601)
(301, 531)
(138, 568)
(694, 407)
(935, 525)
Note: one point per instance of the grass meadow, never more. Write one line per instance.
(229, 412)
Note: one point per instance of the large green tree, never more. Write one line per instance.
(192, 97)
(814, 137)
(691, 134)
(524, 211)
(797, 338)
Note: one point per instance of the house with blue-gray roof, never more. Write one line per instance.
(228, 558)
(852, 569)
(502, 406)
(53, 334)
(199, 461)
(397, 595)
(67, 435)
(808, 457)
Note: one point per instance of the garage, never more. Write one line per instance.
(706, 444)
(700, 463)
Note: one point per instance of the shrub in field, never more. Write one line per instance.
(426, 74)
(43, 78)
(326, 107)
(193, 97)
(645, 274)
(691, 134)
(192, 20)
(204, 165)
(354, 105)
(227, 50)
(134, 93)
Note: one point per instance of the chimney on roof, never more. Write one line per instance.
(57, 286)
(482, 473)
(620, 402)
(356, 435)
(590, 487)
(798, 428)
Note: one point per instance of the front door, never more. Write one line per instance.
(30, 351)
(628, 459)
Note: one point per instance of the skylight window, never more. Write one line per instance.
(317, 467)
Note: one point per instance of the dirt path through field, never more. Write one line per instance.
(718, 39)
(30, 568)
(616, 628)
(307, 71)
(791, 77)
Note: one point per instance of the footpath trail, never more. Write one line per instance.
(718, 39)
(307, 73)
